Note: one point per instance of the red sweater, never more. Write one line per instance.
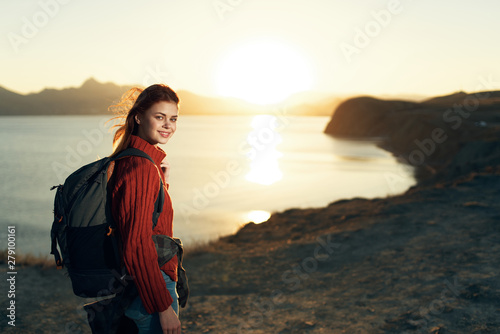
(134, 194)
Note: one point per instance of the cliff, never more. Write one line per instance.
(427, 135)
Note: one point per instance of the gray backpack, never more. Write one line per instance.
(83, 228)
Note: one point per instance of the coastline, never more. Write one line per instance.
(206, 204)
(425, 261)
(421, 262)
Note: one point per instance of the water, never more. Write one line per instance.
(225, 171)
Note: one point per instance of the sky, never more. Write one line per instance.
(258, 50)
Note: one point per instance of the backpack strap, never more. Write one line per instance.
(132, 151)
(57, 225)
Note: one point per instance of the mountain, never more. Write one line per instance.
(93, 98)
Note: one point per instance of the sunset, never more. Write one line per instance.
(263, 72)
(250, 166)
(333, 46)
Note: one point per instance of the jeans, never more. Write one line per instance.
(150, 323)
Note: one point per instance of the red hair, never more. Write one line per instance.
(133, 102)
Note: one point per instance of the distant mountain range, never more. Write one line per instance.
(93, 98)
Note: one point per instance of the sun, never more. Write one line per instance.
(263, 72)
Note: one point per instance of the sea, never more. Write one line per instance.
(225, 171)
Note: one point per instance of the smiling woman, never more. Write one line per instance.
(263, 72)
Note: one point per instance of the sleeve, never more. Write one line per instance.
(133, 201)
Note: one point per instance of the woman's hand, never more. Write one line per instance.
(169, 321)
(165, 167)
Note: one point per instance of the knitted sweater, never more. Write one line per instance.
(134, 194)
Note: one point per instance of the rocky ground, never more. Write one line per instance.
(423, 262)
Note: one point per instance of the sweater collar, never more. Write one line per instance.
(155, 152)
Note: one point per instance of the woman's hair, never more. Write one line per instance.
(134, 102)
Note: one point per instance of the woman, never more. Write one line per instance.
(149, 122)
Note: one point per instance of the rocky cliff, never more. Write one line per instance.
(430, 134)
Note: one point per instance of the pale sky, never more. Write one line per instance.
(249, 48)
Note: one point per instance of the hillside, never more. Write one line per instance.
(427, 135)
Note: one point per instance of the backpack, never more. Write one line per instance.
(83, 228)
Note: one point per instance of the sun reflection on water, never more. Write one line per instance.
(264, 167)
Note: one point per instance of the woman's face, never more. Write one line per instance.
(158, 123)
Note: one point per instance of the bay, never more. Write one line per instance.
(225, 170)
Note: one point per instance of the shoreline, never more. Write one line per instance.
(35, 223)
(425, 261)
(365, 266)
